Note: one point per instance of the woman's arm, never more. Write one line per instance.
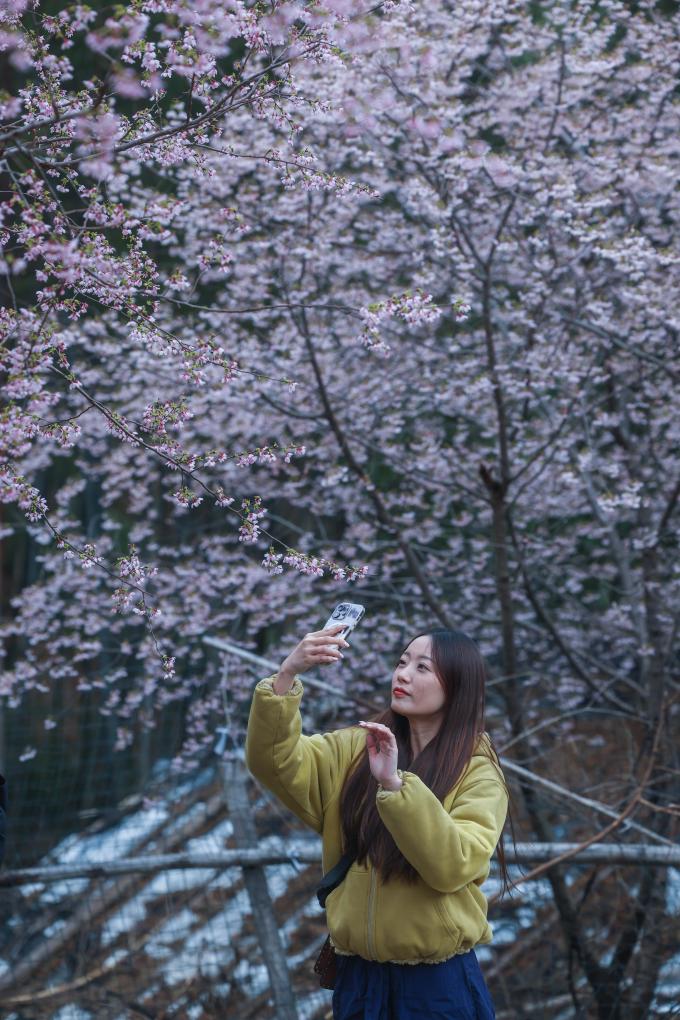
(302, 771)
(448, 849)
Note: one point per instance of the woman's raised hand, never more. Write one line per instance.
(316, 649)
(383, 753)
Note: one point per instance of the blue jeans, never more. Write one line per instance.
(452, 990)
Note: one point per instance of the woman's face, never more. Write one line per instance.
(416, 690)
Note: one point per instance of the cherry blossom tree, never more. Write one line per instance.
(518, 470)
(115, 106)
(416, 314)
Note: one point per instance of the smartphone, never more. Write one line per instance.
(347, 613)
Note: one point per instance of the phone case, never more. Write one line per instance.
(349, 613)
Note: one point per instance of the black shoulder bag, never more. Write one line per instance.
(326, 964)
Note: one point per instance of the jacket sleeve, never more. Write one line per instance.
(304, 772)
(448, 849)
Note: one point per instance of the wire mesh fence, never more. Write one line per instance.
(184, 930)
(174, 942)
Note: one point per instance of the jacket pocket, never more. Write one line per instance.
(346, 909)
(414, 924)
(443, 909)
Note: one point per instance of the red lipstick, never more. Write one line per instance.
(399, 692)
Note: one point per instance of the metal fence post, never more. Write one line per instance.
(255, 881)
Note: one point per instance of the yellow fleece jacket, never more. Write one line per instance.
(449, 844)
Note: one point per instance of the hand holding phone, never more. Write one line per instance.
(320, 647)
(315, 649)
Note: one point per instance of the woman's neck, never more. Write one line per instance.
(422, 731)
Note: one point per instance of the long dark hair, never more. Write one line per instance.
(462, 672)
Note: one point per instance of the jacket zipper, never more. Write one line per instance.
(370, 919)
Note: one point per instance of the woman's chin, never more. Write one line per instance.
(398, 706)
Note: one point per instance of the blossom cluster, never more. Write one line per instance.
(415, 308)
(159, 414)
(15, 489)
(252, 514)
(313, 566)
(268, 454)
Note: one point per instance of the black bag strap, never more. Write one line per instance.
(332, 879)
(3, 809)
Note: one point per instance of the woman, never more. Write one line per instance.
(418, 798)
